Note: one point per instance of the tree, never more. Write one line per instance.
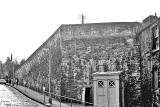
(22, 62)
(117, 63)
(1, 69)
(16, 65)
(8, 67)
(130, 91)
(106, 68)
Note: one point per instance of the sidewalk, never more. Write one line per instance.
(40, 98)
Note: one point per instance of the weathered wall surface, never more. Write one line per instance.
(34, 72)
(82, 50)
(99, 30)
(97, 47)
(150, 60)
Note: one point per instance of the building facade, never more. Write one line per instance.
(149, 60)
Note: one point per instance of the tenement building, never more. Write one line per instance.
(149, 48)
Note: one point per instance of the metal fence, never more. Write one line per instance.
(70, 102)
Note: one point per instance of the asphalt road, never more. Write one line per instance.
(10, 97)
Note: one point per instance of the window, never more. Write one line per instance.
(158, 79)
(100, 83)
(155, 38)
(111, 83)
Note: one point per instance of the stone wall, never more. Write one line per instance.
(77, 51)
(98, 30)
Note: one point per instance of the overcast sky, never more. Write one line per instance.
(26, 24)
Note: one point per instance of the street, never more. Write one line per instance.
(10, 97)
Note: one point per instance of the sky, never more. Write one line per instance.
(26, 24)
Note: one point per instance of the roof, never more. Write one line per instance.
(109, 73)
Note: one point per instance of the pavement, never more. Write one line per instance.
(10, 97)
(39, 97)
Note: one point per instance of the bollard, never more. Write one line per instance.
(50, 100)
(44, 97)
(44, 94)
(71, 102)
(60, 101)
(85, 104)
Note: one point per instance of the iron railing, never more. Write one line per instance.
(71, 102)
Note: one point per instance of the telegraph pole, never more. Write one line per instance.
(12, 68)
(49, 77)
(82, 17)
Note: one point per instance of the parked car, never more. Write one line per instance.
(2, 81)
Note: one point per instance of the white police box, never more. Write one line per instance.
(108, 89)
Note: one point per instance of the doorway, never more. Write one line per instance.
(88, 96)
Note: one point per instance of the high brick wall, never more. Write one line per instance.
(81, 49)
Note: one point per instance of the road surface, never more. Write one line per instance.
(10, 97)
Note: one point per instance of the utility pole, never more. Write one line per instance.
(12, 68)
(82, 18)
(49, 77)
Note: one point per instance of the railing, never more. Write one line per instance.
(71, 102)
